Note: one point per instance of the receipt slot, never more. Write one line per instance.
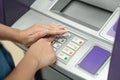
(84, 52)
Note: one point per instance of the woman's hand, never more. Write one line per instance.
(42, 52)
(39, 55)
(37, 31)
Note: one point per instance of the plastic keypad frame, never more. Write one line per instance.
(73, 43)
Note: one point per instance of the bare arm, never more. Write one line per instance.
(25, 70)
(30, 35)
(39, 55)
(7, 33)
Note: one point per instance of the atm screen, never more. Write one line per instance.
(90, 16)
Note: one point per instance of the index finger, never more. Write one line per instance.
(56, 31)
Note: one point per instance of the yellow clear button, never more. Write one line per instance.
(73, 46)
(68, 51)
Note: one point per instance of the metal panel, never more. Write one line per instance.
(110, 5)
(51, 74)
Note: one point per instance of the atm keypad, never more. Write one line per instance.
(68, 44)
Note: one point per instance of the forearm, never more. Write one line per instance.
(8, 33)
(25, 70)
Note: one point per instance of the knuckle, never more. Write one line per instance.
(55, 31)
(53, 57)
(37, 25)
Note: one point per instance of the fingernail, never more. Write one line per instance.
(66, 29)
(60, 25)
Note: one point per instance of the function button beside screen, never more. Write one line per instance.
(94, 59)
(78, 40)
(63, 56)
(68, 51)
(73, 46)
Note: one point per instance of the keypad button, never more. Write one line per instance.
(53, 42)
(66, 35)
(73, 46)
(61, 40)
(54, 49)
(78, 40)
(57, 45)
(63, 56)
(68, 51)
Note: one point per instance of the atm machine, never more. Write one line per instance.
(84, 52)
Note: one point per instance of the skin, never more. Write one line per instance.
(40, 53)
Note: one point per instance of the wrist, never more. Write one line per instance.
(25, 70)
(20, 37)
(33, 61)
(17, 36)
